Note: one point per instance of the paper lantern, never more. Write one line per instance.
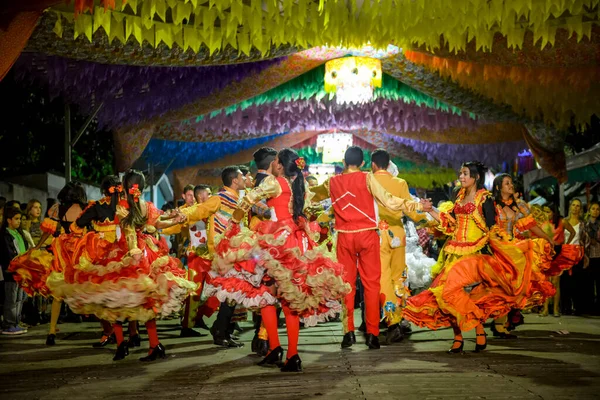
(352, 79)
(334, 146)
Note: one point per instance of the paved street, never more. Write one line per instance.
(541, 364)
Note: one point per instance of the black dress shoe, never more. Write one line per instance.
(51, 339)
(263, 347)
(372, 342)
(293, 364)
(348, 340)
(273, 358)
(157, 352)
(122, 351)
(456, 350)
(394, 334)
(480, 347)
(134, 341)
(226, 342)
(189, 332)
(104, 341)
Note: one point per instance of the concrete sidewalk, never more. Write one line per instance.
(541, 364)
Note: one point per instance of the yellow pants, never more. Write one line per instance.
(393, 267)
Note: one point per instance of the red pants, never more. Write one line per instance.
(360, 251)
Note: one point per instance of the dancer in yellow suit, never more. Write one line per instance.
(393, 245)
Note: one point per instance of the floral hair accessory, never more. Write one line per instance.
(134, 190)
(300, 163)
(114, 189)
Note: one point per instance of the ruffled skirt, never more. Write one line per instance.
(107, 281)
(477, 287)
(32, 269)
(569, 256)
(256, 269)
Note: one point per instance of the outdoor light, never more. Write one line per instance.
(334, 145)
(352, 79)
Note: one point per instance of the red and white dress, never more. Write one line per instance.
(279, 261)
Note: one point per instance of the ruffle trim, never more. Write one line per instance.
(465, 248)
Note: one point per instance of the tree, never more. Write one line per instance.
(32, 136)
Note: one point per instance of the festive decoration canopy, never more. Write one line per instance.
(463, 79)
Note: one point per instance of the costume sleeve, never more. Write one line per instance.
(172, 230)
(489, 212)
(447, 223)
(201, 211)
(268, 188)
(404, 193)
(87, 216)
(152, 213)
(387, 200)
(308, 196)
(320, 192)
(50, 223)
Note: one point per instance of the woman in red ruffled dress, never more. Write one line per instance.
(32, 269)
(473, 284)
(133, 279)
(279, 262)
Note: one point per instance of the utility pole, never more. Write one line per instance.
(68, 147)
(70, 143)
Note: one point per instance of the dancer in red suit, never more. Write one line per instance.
(353, 196)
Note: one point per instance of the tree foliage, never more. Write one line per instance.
(32, 136)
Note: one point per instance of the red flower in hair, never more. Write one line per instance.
(135, 192)
(300, 163)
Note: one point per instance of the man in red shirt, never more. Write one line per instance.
(355, 196)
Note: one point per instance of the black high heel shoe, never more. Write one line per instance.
(273, 358)
(104, 341)
(122, 351)
(480, 347)
(458, 349)
(134, 341)
(293, 364)
(157, 352)
(51, 339)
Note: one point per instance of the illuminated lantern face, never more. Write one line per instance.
(352, 79)
(334, 146)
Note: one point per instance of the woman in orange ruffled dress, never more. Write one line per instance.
(97, 232)
(572, 251)
(279, 262)
(133, 279)
(515, 219)
(32, 269)
(473, 285)
(553, 224)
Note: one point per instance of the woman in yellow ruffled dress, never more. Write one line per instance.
(471, 284)
(31, 270)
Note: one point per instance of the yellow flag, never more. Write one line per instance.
(117, 29)
(58, 27)
(83, 26)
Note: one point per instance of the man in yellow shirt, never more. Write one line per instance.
(217, 211)
(393, 245)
